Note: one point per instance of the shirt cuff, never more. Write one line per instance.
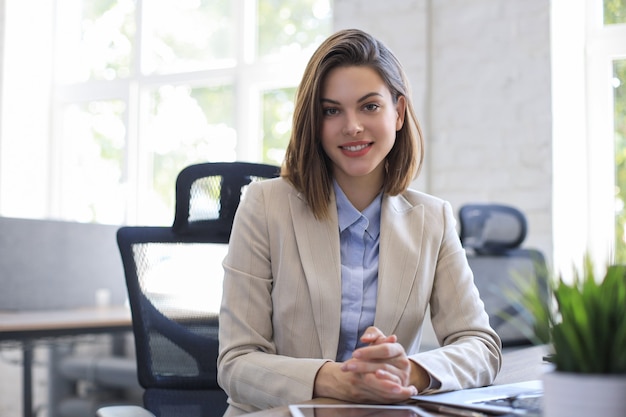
(434, 384)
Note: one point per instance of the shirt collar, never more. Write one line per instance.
(347, 214)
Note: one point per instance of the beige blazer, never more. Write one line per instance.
(281, 306)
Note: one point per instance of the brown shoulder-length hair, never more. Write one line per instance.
(306, 165)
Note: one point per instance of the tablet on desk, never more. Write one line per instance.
(520, 398)
(355, 410)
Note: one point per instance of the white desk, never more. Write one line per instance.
(518, 365)
(26, 327)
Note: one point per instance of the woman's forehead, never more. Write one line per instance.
(354, 82)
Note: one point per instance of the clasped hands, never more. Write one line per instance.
(380, 372)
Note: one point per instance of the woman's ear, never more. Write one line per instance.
(400, 112)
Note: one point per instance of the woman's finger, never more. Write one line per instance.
(373, 335)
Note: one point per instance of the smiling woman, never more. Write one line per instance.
(338, 260)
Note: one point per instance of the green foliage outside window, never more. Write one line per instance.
(102, 50)
(284, 24)
(614, 12)
(176, 118)
(187, 36)
(277, 115)
(619, 77)
(188, 126)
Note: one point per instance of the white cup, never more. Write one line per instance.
(103, 297)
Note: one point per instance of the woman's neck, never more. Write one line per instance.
(361, 191)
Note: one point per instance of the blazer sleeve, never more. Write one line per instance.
(470, 353)
(250, 370)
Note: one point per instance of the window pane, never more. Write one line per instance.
(186, 126)
(614, 12)
(187, 35)
(619, 103)
(191, 264)
(93, 144)
(277, 116)
(94, 39)
(292, 26)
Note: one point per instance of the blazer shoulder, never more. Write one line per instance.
(434, 208)
(272, 194)
(272, 187)
(419, 198)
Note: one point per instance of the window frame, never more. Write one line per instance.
(605, 43)
(250, 77)
(583, 168)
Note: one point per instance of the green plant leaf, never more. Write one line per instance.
(587, 322)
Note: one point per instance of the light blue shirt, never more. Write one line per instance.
(359, 237)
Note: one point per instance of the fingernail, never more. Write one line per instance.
(347, 366)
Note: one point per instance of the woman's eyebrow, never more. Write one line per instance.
(365, 97)
(368, 95)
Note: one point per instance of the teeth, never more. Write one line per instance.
(355, 148)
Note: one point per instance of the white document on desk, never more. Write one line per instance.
(356, 410)
(494, 399)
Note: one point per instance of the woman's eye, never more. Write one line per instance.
(372, 107)
(330, 111)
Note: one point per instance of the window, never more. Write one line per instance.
(619, 118)
(588, 52)
(614, 16)
(140, 89)
(606, 107)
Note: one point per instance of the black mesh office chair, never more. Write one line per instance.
(173, 276)
(492, 235)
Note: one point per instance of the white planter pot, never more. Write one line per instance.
(571, 395)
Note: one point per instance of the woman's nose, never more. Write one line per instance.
(352, 126)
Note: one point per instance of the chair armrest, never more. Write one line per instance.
(123, 411)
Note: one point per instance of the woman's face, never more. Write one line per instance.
(359, 124)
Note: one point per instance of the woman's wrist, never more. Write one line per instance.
(324, 381)
(420, 379)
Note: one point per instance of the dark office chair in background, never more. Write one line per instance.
(174, 281)
(492, 235)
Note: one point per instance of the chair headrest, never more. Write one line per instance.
(208, 195)
(488, 227)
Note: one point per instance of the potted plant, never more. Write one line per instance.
(585, 326)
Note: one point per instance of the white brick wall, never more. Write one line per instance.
(480, 74)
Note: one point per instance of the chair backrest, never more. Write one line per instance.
(491, 228)
(171, 291)
(492, 235)
(174, 281)
(207, 195)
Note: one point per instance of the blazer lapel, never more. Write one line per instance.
(401, 234)
(318, 246)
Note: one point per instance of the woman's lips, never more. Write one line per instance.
(356, 149)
